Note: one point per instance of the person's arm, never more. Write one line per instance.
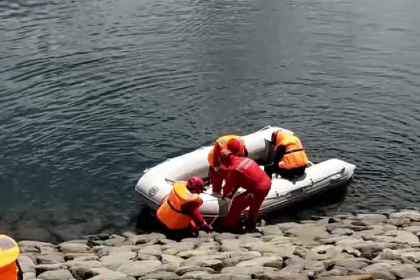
(191, 209)
(231, 185)
(280, 151)
(216, 180)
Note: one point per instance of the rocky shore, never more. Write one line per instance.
(352, 247)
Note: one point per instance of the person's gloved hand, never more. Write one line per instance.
(195, 228)
(206, 227)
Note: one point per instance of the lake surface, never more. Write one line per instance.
(92, 92)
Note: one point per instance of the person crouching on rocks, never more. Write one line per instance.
(216, 174)
(9, 265)
(179, 212)
(290, 160)
(246, 173)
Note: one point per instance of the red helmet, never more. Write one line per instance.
(195, 183)
(234, 145)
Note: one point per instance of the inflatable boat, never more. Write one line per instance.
(156, 182)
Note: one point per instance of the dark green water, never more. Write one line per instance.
(92, 92)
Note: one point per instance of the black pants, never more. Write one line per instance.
(176, 235)
(285, 173)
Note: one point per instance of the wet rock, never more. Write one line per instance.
(69, 247)
(186, 269)
(26, 264)
(272, 230)
(275, 262)
(49, 267)
(405, 271)
(50, 259)
(162, 275)
(139, 268)
(409, 214)
(56, 275)
(380, 271)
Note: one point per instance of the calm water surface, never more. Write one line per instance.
(92, 92)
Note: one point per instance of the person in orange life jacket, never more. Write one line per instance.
(290, 160)
(180, 210)
(246, 173)
(9, 265)
(216, 174)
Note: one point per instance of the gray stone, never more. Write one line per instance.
(162, 275)
(309, 233)
(144, 257)
(349, 277)
(324, 252)
(351, 264)
(171, 259)
(154, 250)
(405, 271)
(336, 271)
(399, 222)
(48, 267)
(56, 275)
(372, 218)
(185, 269)
(26, 264)
(262, 247)
(272, 230)
(247, 270)
(50, 258)
(180, 247)
(412, 229)
(86, 258)
(34, 244)
(231, 245)
(380, 271)
(410, 214)
(68, 247)
(87, 264)
(275, 262)
(410, 257)
(189, 254)
(113, 262)
(29, 276)
(171, 267)
(204, 262)
(139, 268)
(72, 256)
(151, 238)
(224, 236)
(406, 237)
(194, 275)
(343, 231)
(237, 257)
(223, 277)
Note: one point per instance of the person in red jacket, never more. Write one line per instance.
(244, 172)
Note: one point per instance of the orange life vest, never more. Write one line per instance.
(170, 212)
(9, 252)
(219, 145)
(295, 155)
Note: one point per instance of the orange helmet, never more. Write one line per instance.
(195, 183)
